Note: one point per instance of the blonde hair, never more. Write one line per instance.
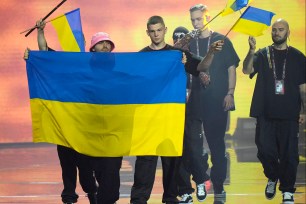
(198, 7)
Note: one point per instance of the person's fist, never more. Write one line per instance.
(40, 24)
(252, 43)
(26, 54)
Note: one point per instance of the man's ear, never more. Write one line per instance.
(166, 29)
(147, 32)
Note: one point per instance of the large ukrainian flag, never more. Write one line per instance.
(69, 31)
(109, 104)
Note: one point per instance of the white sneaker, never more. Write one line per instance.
(270, 190)
(186, 199)
(288, 198)
(201, 192)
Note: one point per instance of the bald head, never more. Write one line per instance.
(282, 22)
(280, 33)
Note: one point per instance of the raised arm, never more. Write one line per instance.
(248, 61)
(41, 40)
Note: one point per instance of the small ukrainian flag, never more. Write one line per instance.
(69, 31)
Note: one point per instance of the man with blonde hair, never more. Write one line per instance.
(215, 96)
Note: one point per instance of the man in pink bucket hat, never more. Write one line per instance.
(107, 169)
(101, 42)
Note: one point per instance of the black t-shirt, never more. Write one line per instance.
(191, 64)
(277, 106)
(211, 98)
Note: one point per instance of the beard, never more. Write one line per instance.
(105, 49)
(279, 41)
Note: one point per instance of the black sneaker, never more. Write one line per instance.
(201, 192)
(220, 195)
(186, 198)
(219, 192)
(219, 201)
(271, 189)
(288, 198)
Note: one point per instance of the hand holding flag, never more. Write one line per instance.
(29, 31)
(69, 30)
(75, 104)
(252, 43)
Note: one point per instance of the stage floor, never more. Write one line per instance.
(30, 173)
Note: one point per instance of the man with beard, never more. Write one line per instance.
(278, 104)
(104, 170)
(107, 169)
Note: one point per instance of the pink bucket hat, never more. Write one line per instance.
(98, 37)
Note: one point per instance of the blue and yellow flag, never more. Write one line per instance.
(109, 104)
(234, 5)
(69, 31)
(253, 21)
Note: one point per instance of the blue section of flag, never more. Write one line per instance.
(258, 15)
(74, 19)
(107, 78)
(239, 4)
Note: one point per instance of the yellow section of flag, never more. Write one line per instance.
(69, 31)
(110, 130)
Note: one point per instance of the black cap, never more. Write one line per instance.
(179, 32)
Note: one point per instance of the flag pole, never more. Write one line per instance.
(212, 19)
(231, 28)
(44, 18)
(45, 22)
(183, 41)
(235, 23)
(217, 15)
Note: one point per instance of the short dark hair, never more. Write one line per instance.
(198, 7)
(155, 20)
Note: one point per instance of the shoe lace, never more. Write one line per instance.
(201, 189)
(288, 195)
(271, 186)
(185, 197)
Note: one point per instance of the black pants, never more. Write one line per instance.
(214, 123)
(183, 180)
(277, 144)
(145, 168)
(194, 160)
(70, 161)
(107, 172)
